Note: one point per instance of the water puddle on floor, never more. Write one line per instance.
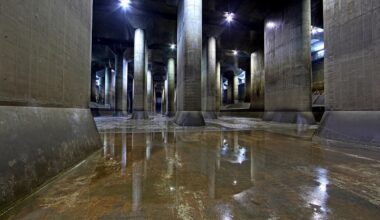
(210, 175)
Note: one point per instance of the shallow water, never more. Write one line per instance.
(210, 175)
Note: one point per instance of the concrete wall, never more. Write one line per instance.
(288, 62)
(45, 123)
(352, 79)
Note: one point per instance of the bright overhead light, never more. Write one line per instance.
(235, 52)
(124, 3)
(229, 16)
(271, 25)
(172, 46)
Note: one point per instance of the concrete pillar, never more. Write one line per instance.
(230, 91)
(125, 86)
(121, 90)
(107, 86)
(149, 92)
(219, 89)
(288, 64)
(352, 79)
(170, 87)
(46, 125)
(113, 90)
(248, 87)
(139, 93)
(189, 53)
(257, 81)
(211, 80)
(235, 89)
(163, 99)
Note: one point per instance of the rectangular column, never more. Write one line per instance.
(352, 79)
(189, 53)
(288, 64)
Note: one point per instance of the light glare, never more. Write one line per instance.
(124, 3)
(172, 46)
(229, 17)
(271, 25)
(235, 52)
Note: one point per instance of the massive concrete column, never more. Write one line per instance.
(211, 80)
(107, 86)
(125, 86)
(288, 64)
(189, 53)
(149, 92)
(352, 79)
(257, 80)
(121, 90)
(230, 91)
(218, 88)
(235, 89)
(163, 99)
(139, 93)
(46, 125)
(170, 87)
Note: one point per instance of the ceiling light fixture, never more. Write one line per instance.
(235, 52)
(172, 46)
(124, 3)
(229, 16)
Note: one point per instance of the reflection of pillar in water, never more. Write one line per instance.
(236, 141)
(252, 166)
(105, 144)
(211, 178)
(170, 157)
(123, 153)
(136, 180)
(220, 145)
(112, 145)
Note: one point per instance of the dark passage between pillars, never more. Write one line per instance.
(189, 55)
(288, 64)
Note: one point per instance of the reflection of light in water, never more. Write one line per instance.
(172, 189)
(241, 155)
(318, 197)
(237, 156)
(234, 182)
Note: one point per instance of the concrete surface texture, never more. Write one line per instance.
(189, 55)
(139, 92)
(352, 77)
(216, 174)
(45, 124)
(287, 59)
(257, 80)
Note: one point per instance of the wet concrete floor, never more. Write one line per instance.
(211, 174)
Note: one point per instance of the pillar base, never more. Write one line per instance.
(210, 115)
(290, 117)
(189, 118)
(356, 127)
(38, 143)
(140, 115)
